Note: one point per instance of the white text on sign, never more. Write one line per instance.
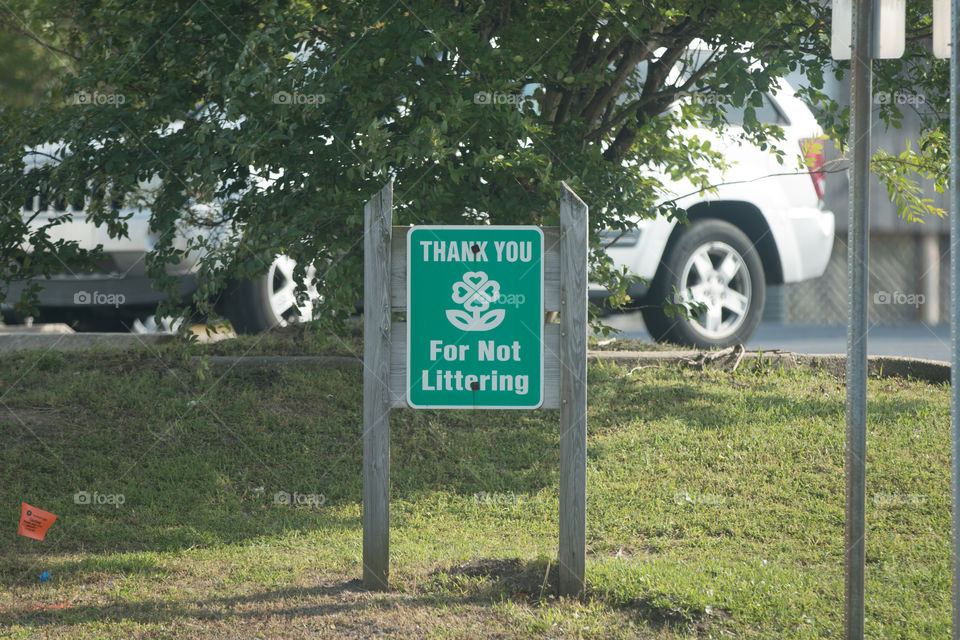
(446, 380)
(467, 251)
(487, 350)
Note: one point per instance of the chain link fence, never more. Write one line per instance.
(897, 292)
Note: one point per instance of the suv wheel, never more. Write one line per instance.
(711, 263)
(269, 301)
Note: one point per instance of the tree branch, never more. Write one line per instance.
(26, 33)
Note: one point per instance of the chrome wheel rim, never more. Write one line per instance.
(716, 276)
(282, 288)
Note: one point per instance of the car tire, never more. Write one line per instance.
(714, 263)
(262, 303)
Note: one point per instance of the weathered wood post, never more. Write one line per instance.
(377, 221)
(573, 392)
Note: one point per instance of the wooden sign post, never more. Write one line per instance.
(504, 279)
(377, 220)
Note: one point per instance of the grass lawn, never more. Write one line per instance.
(715, 505)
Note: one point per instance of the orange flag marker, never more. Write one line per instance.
(34, 522)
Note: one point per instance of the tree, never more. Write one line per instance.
(290, 114)
(31, 50)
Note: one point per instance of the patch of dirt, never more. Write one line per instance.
(630, 552)
(696, 622)
(292, 340)
(530, 580)
(31, 416)
(600, 343)
(340, 609)
(39, 422)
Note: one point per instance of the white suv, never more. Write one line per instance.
(764, 224)
(119, 294)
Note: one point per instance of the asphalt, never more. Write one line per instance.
(929, 342)
(917, 340)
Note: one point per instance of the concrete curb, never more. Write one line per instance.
(835, 364)
(75, 341)
(933, 371)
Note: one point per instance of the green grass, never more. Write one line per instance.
(617, 342)
(715, 505)
(294, 340)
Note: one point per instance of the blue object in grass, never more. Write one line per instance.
(44, 576)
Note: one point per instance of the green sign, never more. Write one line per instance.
(474, 317)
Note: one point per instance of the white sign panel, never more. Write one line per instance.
(941, 28)
(889, 22)
(841, 29)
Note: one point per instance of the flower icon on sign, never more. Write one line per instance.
(475, 291)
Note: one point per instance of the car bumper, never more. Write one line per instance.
(807, 254)
(639, 251)
(88, 291)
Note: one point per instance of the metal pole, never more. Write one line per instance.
(955, 301)
(857, 282)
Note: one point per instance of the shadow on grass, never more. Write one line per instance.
(495, 579)
(156, 610)
(484, 582)
(18, 570)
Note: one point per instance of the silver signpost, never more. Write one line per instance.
(857, 280)
(955, 298)
(882, 35)
(861, 30)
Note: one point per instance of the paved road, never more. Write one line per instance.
(915, 340)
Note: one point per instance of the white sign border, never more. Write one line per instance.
(460, 227)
